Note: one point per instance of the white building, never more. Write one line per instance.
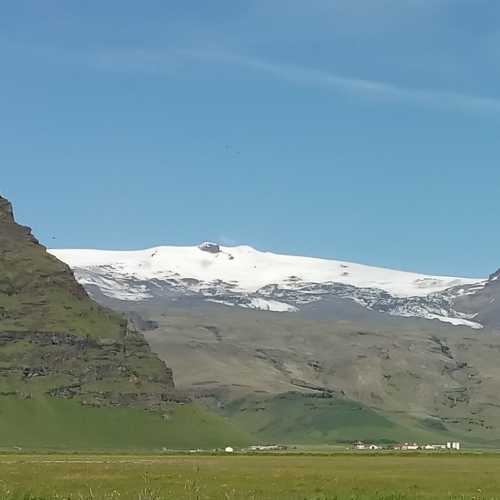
(439, 446)
(410, 447)
(229, 449)
(364, 446)
(429, 447)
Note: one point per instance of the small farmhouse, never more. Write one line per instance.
(359, 445)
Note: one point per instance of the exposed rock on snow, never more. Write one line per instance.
(210, 247)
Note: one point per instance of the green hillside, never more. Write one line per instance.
(45, 423)
(317, 419)
(426, 376)
(55, 341)
(39, 293)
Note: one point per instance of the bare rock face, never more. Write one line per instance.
(495, 276)
(55, 341)
(6, 212)
(210, 247)
(484, 303)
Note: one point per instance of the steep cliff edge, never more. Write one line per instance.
(56, 342)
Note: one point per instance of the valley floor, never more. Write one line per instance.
(273, 477)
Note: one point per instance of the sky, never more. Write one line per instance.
(362, 130)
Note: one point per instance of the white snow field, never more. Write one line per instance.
(250, 269)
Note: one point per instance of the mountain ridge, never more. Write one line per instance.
(245, 277)
(350, 344)
(56, 341)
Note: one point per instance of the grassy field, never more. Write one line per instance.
(251, 477)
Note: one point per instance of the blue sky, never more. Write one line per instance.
(364, 130)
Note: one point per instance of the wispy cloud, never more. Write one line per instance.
(372, 89)
(173, 60)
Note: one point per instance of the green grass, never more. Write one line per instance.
(61, 424)
(274, 477)
(301, 418)
(39, 293)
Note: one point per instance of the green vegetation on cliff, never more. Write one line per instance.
(39, 293)
(73, 375)
(55, 341)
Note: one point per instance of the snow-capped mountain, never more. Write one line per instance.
(245, 277)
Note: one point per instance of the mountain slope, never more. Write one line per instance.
(325, 419)
(56, 424)
(248, 278)
(70, 369)
(417, 374)
(38, 292)
(485, 302)
(55, 340)
(255, 336)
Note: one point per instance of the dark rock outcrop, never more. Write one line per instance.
(6, 212)
(210, 247)
(495, 276)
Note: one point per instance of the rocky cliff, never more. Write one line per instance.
(56, 342)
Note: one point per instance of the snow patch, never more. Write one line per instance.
(270, 305)
(258, 304)
(457, 321)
